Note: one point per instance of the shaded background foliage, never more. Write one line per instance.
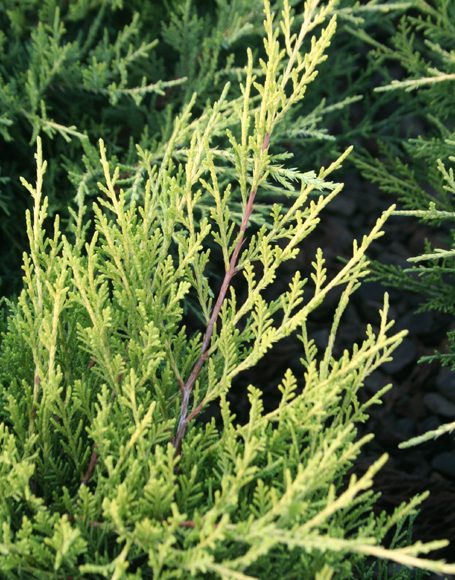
(75, 70)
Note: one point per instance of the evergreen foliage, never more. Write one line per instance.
(419, 169)
(110, 464)
(71, 71)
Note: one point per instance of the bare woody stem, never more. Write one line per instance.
(185, 415)
(91, 466)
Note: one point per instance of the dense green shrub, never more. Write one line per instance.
(72, 71)
(110, 463)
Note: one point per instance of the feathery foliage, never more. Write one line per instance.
(419, 170)
(74, 71)
(110, 464)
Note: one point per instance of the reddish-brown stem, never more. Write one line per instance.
(185, 415)
(187, 524)
(36, 386)
(91, 466)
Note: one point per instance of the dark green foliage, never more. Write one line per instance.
(417, 155)
(57, 62)
(74, 71)
(417, 160)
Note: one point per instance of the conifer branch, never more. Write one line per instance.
(185, 416)
(412, 84)
(112, 292)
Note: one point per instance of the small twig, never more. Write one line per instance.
(94, 455)
(34, 409)
(185, 415)
(91, 466)
(175, 369)
(91, 523)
